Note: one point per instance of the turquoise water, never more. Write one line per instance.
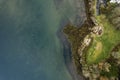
(29, 46)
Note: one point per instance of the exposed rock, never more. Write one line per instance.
(100, 65)
(103, 78)
(107, 67)
(87, 41)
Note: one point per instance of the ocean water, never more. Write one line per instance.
(29, 46)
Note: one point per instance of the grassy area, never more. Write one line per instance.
(106, 42)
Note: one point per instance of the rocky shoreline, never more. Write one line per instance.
(67, 52)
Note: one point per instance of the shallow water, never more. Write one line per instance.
(29, 46)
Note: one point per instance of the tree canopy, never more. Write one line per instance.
(115, 17)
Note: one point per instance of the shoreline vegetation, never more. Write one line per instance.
(96, 44)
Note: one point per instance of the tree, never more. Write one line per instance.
(115, 17)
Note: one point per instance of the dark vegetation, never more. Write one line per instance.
(112, 12)
(116, 48)
(115, 69)
(76, 36)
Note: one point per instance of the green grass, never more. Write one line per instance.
(109, 39)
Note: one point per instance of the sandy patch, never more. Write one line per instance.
(98, 50)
